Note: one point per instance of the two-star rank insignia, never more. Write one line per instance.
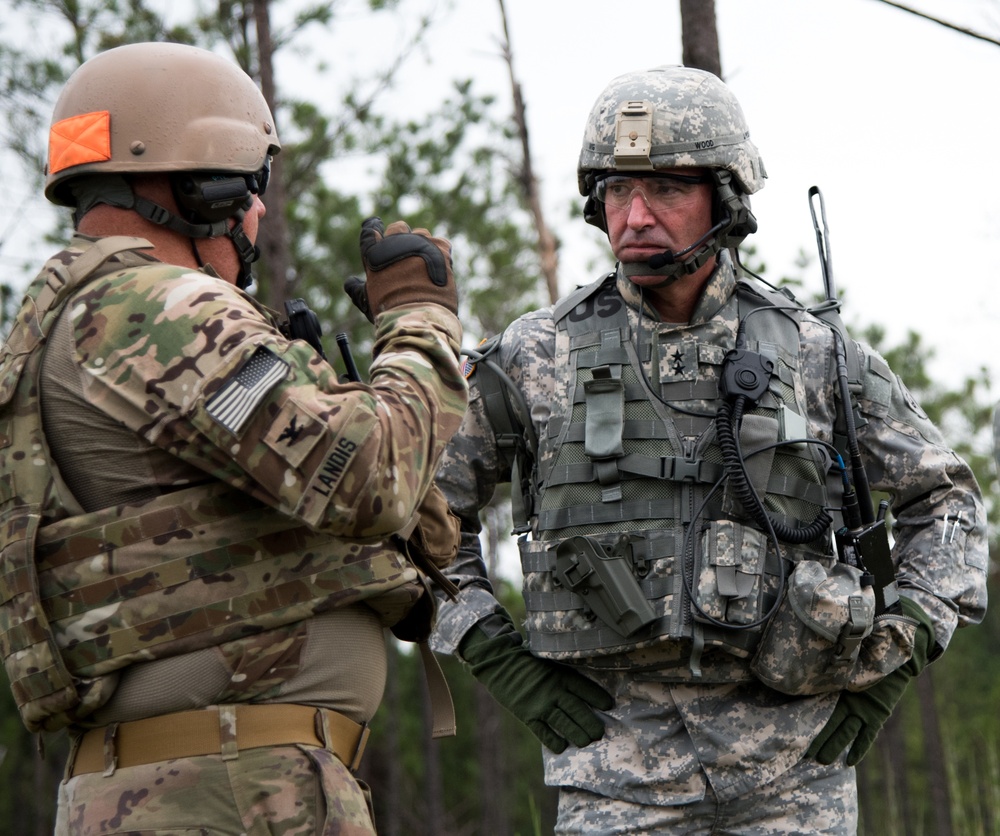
(677, 361)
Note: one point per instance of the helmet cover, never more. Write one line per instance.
(668, 117)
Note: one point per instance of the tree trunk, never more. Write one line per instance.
(272, 238)
(433, 785)
(42, 790)
(934, 756)
(700, 36)
(892, 745)
(866, 800)
(390, 800)
(494, 815)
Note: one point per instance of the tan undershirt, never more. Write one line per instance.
(343, 667)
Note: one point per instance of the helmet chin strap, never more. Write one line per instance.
(246, 252)
(116, 191)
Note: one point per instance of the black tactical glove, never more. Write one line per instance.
(401, 267)
(554, 701)
(859, 716)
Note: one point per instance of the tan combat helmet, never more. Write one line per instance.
(673, 117)
(152, 107)
(163, 107)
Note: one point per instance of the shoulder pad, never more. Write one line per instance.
(764, 295)
(581, 294)
(507, 426)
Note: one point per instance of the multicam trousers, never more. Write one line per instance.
(273, 791)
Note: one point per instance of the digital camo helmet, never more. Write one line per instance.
(163, 108)
(674, 117)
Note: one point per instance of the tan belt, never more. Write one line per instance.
(218, 730)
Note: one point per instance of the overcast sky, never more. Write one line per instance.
(892, 116)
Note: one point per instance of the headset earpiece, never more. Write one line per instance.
(735, 206)
(208, 198)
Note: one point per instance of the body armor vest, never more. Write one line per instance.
(85, 594)
(641, 554)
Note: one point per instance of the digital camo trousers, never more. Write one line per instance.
(808, 800)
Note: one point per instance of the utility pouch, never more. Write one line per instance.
(888, 647)
(821, 636)
(729, 580)
(605, 582)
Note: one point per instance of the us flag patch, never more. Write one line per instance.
(232, 405)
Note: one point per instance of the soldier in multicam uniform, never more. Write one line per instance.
(193, 502)
(671, 548)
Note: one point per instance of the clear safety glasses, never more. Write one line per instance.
(659, 191)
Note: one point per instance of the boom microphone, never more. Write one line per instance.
(667, 257)
(662, 260)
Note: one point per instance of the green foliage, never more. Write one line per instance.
(29, 776)
(445, 173)
(451, 172)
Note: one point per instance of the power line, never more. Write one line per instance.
(944, 23)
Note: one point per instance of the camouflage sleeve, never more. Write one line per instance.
(467, 476)
(939, 529)
(471, 469)
(198, 369)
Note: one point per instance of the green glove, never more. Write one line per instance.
(859, 716)
(554, 701)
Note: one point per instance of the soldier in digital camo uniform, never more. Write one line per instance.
(677, 514)
(192, 502)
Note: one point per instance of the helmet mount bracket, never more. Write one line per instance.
(634, 136)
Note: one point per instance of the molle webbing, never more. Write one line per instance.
(40, 683)
(123, 585)
(623, 462)
(20, 419)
